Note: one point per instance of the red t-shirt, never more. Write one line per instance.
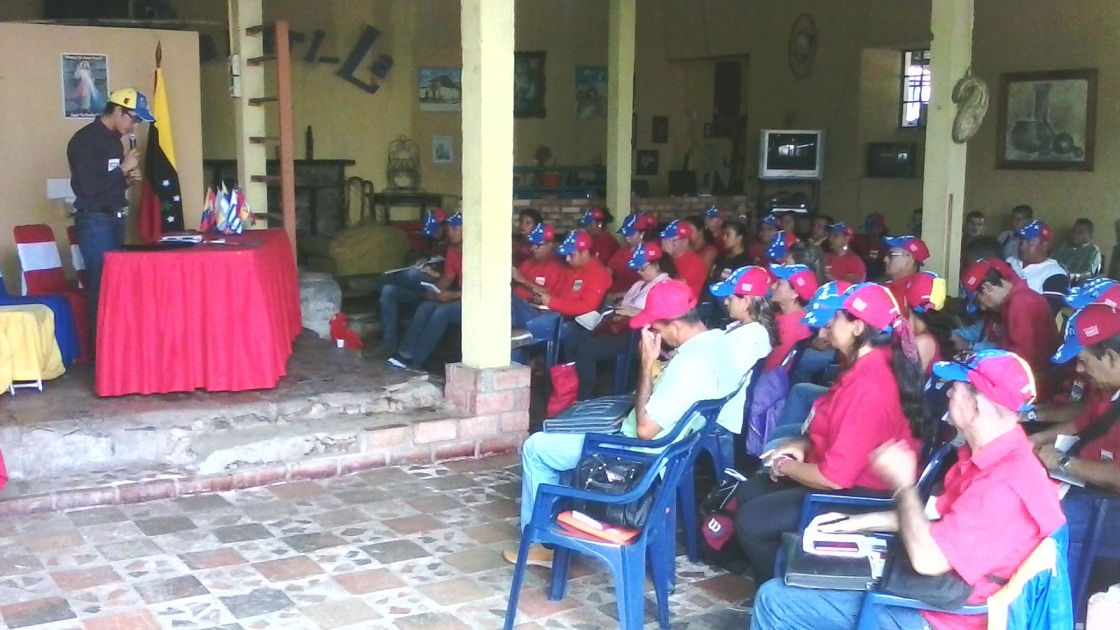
(790, 330)
(581, 290)
(1026, 327)
(839, 266)
(857, 414)
(997, 506)
(692, 271)
(546, 274)
(453, 265)
(604, 246)
(1106, 447)
(624, 277)
(898, 289)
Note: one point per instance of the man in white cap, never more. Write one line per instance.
(100, 174)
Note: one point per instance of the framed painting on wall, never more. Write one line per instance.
(1047, 120)
(647, 163)
(85, 85)
(591, 92)
(441, 89)
(443, 150)
(528, 84)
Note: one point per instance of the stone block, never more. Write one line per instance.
(458, 397)
(260, 476)
(464, 377)
(364, 461)
(435, 431)
(320, 298)
(387, 437)
(147, 491)
(480, 427)
(495, 402)
(85, 497)
(410, 455)
(202, 484)
(502, 444)
(511, 377)
(456, 450)
(313, 469)
(27, 505)
(515, 421)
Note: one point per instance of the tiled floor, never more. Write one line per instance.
(411, 548)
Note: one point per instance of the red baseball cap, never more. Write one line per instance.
(926, 291)
(591, 215)
(841, 228)
(643, 253)
(666, 300)
(974, 275)
(746, 281)
(1036, 230)
(912, 245)
(1003, 377)
(873, 304)
(1089, 326)
(576, 241)
(800, 277)
(678, 229)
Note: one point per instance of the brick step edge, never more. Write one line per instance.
(304, 470)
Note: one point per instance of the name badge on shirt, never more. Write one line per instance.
(114, 164)
(576, 285)
(1106, 455)
(539, 280)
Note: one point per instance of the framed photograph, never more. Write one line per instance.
(647, 163)
(591, 92)
(1047, 120)
(528, 84)
(660, 130)
(443, 149)
(441, 89)
(85, 85)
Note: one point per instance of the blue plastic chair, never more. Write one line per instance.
(623, 364)
(1082, 555)
(65, 330)
(627, 562)
(1059, 616)
(711, 440)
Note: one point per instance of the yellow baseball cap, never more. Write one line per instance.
(130, 98)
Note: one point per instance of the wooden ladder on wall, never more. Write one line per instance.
(282, 100)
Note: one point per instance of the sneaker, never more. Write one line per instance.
(398, 361)
(537, 556)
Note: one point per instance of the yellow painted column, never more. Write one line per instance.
(620, 106)
(488, 38)
(249, 119)
(945, 161)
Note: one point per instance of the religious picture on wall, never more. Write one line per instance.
(591, 92)
(85, 85)
(647, 163)
(443, 150)
(441, 89)
(528, 84)
(1047, 120)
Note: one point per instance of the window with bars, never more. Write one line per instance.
(915, 88)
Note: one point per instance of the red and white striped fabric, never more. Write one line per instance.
(41, 274)
(76, 258)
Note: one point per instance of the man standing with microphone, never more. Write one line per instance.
(100, 175)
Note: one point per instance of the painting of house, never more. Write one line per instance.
(441, 89)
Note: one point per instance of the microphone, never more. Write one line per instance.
(131, 142)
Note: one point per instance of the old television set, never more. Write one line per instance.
(790, 154)
(892, 159)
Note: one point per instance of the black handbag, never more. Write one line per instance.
(614, 475)
(947, 592)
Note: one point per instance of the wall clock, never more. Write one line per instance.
(802, 45)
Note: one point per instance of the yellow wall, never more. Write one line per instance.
(35, 136)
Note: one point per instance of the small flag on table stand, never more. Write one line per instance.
(161, 203)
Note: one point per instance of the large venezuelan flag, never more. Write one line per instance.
(161, 202)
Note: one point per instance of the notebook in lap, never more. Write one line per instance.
(807, 570)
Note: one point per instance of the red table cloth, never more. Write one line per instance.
(221, 317)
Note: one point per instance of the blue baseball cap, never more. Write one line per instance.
(1103, 290)
(800, 277)
(591, 215)
(828, 299)
(713, 213)
(455, 220)
(841, 228)
(1003, 377)
(541, 233)
(432, 220)
(131, 98)
(678, 229)
(780, 244)
(750, 280)
(644, 253)
(771, 219)
(912, 245)
(1036, 230)
(576, 241)
(1089, 326)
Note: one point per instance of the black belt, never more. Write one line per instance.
(118, 212)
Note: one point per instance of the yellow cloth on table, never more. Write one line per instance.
(28, 350)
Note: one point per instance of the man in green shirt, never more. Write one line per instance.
(1081, 257)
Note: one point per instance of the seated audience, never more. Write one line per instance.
(907, 253)
(403, 287)
(973, 229)
(932, 328)
(841, 263)
(756, 249)
(714, 222)
(787, 221)
(752, 333)
(587, 348)
(543, 270)
(1016, 318)
(1043, 274)
(819, 231)
(636, 229)
(1092, 337)
(580, 291)
(440, 309)
(996, 506)
(878, 399)
(691, 269)
(595, 221)
(869, 245)
(701, 369)
(1009, 240)
(1081, 257)
(791, 290)
(527, 219)
(702, 242)
(734, 254)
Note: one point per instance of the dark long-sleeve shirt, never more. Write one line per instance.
(95, 154)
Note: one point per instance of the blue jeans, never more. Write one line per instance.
(781, 607)
(812, 361)
(543, 458)
(542, 324)
(97, 233)
(1078, 508)
(431, 321)
(402, 287)
(798, 404)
